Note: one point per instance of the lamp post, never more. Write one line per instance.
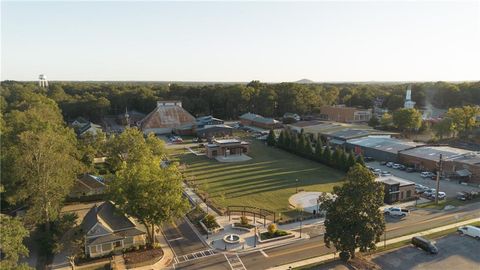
(255, 239)
(296, 185)
(318, 206)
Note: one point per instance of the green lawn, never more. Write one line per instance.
(265, 181)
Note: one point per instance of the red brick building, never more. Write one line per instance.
(341, 113)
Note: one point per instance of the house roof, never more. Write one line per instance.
(394, 180)
(258, 118)
(91, 181)
(168, 116)
(383, 143)
(108, 215)
(208, 127)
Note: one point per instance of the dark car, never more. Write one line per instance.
(368, 159)
(424, 244)
(409, 169)
(383, 163)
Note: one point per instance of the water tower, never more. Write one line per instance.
(42, 80)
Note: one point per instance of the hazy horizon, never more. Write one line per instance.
(326, 42)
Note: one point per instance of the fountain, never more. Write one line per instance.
(231, 238)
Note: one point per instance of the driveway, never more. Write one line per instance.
(455, 252)
(449, 187)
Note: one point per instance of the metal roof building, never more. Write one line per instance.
(380, 148)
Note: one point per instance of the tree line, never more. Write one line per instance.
(302, 144)
(94, 100)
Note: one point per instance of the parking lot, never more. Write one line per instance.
(454, 252)
(449, 187)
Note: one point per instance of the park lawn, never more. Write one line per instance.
(265, 181)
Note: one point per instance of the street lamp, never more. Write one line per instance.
(255, 239)
(296, 185)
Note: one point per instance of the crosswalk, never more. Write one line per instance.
(194, 256)
(234, 261)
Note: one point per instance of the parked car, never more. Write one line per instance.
(420, 188)
(409, 169)
(383, 163)
(368, 159)
(386, 173)
(396, 166)
(461, 196)
(389, 164)
(402, 167)
(470, 231)
(441, 195)
(429, 192)
(396, 211)
(377, 170)
(424, 244)
(426, 174)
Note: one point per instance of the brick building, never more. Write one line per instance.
(397, 189)
(460, 164)
(341, 113)
(251, 119)
(226, 147)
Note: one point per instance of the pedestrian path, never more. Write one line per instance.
(195, 199)
(234, 261)
(194, 256)
(119, 262)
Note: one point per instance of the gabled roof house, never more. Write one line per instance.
(168, 117)
(108, 230)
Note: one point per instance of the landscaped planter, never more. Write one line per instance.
(214, 230)
(289, 235)
(243, 227)
(141, 258)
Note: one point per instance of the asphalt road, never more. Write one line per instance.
(454, 252)
(418, 220)
(182, 238)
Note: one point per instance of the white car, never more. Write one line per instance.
(470, 231)
(426, 174)
(441, 195)
(395, 211)
(396, 166)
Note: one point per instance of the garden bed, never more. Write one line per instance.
(210, 224)
(142, 257)
(278, 235)
(240, 226)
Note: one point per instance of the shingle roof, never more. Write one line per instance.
(106, 213)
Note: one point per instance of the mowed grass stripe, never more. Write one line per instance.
(266, 181)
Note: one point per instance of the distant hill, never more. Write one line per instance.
(304, 81)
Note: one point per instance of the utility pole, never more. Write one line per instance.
(439, 171)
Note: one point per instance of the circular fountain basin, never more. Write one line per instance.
(231, 238)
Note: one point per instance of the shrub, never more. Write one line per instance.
(344, 256)
(243, 220)
(210, 222)
(272, 228)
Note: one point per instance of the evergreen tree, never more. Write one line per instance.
(351, 160)
(343, 160)
(319, 151)
(301, 144)
(327, 156)
(360, 160)
(281, 139)
(336, 158)
(271, 138)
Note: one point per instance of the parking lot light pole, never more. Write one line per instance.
(296, 185)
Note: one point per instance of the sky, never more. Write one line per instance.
(241, 41)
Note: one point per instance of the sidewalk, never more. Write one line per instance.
(195, 199)
(379, 244)
(166, 262)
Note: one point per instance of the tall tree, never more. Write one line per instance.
(142, 188)
(11, 243)
(407, 119)
(271, 138)
(464, 118)
(359, 199)
(386, 121)
(46, 165)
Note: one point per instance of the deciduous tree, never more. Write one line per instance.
(353, 219)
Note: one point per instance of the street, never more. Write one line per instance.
(418, 220)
